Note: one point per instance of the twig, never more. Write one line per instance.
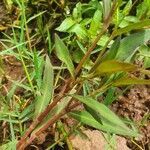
(104, 29)
(23, 142)
(48, 124)
(42, 115)
(89, 51)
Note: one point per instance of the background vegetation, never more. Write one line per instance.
(70, 59)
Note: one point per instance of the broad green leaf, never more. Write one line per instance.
(103, 40)
(113, 50)
(11, 145)
(66, 24)
(101, 109)
(143, 10)
(46, 90)
(126, 48)
(63, 54)
(127, 8)
(147, 62)
(87, 119)
(133, 26)
(77, 12)
(128, 45)
(144, 51)
(110, 97)
(113, 66)
(95, 24)
(79, 30)
(130, 81)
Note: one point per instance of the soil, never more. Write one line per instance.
(96, 141)
(13, 71)
(135, 105)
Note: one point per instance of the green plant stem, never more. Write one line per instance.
(89, 51)
(22, 143)
(101, 89)
(99, 58)
(147, 72)
(26, 72)
(104, 29)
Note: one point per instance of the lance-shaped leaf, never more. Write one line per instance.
(130, 81)
(100, 108)
(138, 25)
(63, 54)
(113, 66)
(87, 119)
(46, 91)
(128, 45)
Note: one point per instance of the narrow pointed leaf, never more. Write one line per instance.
(87, 119)
(113, 66)
(100, 108)
(63, 54)
(128, 45)
(46, 91)
(130, 81)
(138, 25)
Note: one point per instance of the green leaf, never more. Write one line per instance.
(147, 62)
(128, 46)
(143, 10)
(113, 50)
(113, 66)
(86, 118)
(66, 24)
(11, 145)
(110, 97)
(35, 16)
(63, 54)
(95, 24)
(101, 109)
(127, 8)
(46, 90)
(79, 30)
(133, 26)
(38, 65)
(130, 81)
(144, 51)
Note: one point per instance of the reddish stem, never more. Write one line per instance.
(48, 124)
(42, 115)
